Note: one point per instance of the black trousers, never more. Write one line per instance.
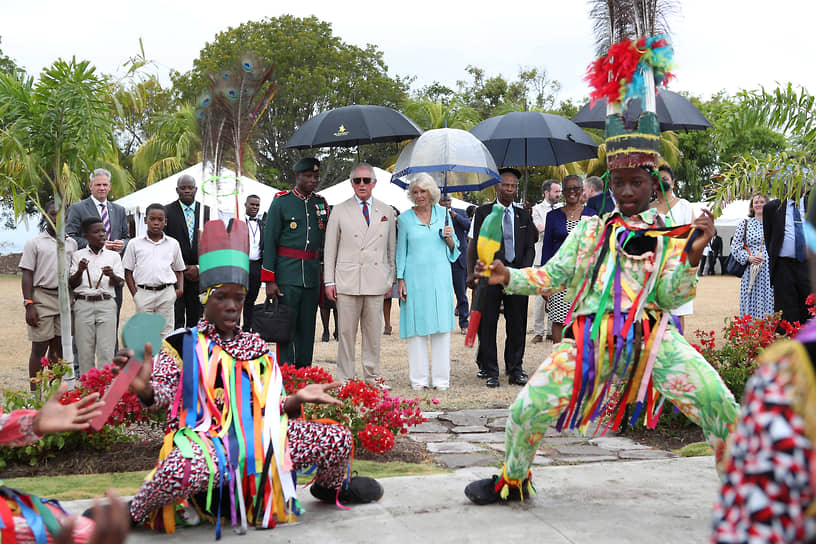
(460, 290)
(515, 317)
(188, 306)
(791, 288)
(252, 293)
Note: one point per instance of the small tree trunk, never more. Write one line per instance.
(62, 282)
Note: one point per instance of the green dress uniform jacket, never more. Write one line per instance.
(293, 245)
(293, 239)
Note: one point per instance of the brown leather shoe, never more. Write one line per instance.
(537, 339)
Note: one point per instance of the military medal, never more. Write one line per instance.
(293, 224)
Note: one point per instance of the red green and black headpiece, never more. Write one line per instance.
(631, 70)
(223, 257)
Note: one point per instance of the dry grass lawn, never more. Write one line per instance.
(717, 298)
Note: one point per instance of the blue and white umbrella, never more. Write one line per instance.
(455, 158)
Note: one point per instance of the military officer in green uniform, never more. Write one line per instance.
(293, 241)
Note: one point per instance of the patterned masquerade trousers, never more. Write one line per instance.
(680, 373)
(327, 446)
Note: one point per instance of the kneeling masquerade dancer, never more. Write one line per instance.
(231, 447)
(625, 271)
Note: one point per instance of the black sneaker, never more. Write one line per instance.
(484, 491)
(357, 490)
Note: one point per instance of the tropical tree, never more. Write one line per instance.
(314, 71)
(430, 114)
(175, 144)
(616, 20)
(54, 133)
(7, 65)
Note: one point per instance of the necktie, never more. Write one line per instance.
(365, 213)
(799, 234)
(189, 217)
(103, 213)
(507, 235)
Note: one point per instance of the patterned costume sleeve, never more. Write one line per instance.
(555, 274)
(678, 280)
(766, 486)
(165, 378)
(17, 428)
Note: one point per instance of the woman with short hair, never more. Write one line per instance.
(426, 247)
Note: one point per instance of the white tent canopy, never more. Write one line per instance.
(164, 192)
(384, 190)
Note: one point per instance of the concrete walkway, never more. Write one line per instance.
(667, 501)
(604, 490)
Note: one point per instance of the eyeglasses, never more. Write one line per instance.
(357, 181)
(572, 189)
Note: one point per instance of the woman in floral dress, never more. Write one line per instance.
(748, 246)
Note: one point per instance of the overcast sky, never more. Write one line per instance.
(718, 44)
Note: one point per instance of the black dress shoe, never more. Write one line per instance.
(518, 379)
(492, 382)
(325, 337)
(481, 375)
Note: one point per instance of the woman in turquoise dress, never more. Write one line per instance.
(426, 247)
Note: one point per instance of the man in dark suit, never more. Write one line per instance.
(183, 216)
(517, 250)
(461, 226)
(787, 258)
(113, 216)
(601, 203)
(256, 243)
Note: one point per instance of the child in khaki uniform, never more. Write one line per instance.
(153, 267)
(95, 271)
(40, 297)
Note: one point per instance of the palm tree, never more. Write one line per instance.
(616, 20)
(51, 134)
(429, 114)
(174, 146)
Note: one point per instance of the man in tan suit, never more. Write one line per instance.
(358, 270)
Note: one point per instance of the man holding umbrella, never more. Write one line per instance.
(293, 239)
(519, 235)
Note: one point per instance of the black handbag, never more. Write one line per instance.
(273, 321)
(732, 265)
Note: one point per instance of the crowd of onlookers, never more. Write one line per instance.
(354, 259)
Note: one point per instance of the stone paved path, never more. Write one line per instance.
(475, 438)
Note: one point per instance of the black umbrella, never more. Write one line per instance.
(674, 112)
(532, 138)
(354, 125)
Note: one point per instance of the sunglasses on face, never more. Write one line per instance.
(572, 189)
(357, 181)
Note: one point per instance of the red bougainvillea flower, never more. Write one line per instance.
(376, 439)
(365, 406)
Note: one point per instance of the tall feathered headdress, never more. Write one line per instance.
(631, 69)
(229, 110)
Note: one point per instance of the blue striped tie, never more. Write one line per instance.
(103, 213)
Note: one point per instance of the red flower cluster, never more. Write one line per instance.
(376, 439)
(295, 378)
(365, 406)
(811, 304)
(745, 337)
(128, 410)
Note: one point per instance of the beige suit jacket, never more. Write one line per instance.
(359, 258)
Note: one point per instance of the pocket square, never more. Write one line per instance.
(384, 218)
